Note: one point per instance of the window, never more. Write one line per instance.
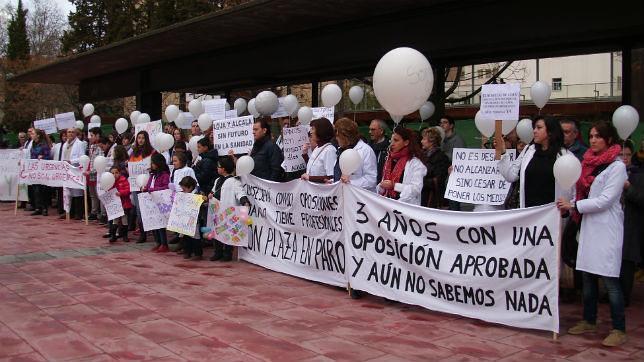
(556, 84)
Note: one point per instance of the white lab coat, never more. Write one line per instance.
(365, 176)
(57, 151)
(180, 173)
(322, 161)
(412, 183)
(231, 193)
(515, 170)
(78, 150)
(602, 224)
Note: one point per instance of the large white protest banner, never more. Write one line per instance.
(137, 168)
(155, 208)
(48, 125)
(65, 120)
(112, 204)
(184, 213)
(324, 112)
(475, 177)
(233, 134)
(281, 110)
(293, 140)
(500, 101)
(500, 267)
(51, 173)
(296, 229)
(152, 128)
(216, 108)
(9, 169)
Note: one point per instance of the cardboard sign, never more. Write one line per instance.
(233, 134)
(65, 120)
(184, 214)
(500, 101)
(216, 108)
(293, 140)
(48, 125)
(324, 112)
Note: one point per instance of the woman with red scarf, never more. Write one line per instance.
(599, 189)
(403, 172)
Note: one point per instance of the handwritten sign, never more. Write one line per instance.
(189, 118)
(501, 101)
(51, 173)
(112, 204)
(216, 108)
(48, 125)
(155, 208)
(213, 210)
(65, 120)
(323, 112)
(233, 134)
(137, 168)
(9, 169)
(293, 140)
(184, 214)
(281, 110)
(231, 228)
(152, 128)
(231, 114)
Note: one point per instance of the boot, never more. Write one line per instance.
(108, 233)
(142, 237)
(228, 253)
(219, 251)
(123, 230)
(113, 237)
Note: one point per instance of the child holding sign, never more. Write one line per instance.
(123, 191)
(159, 180)
(192, 244)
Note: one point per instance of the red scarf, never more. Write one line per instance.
(588, 165)
(394, 174)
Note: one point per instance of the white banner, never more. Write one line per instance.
(324, 112)
(500, 101)
(216, 108)
(51, 173)
(155, 208)
(184, 214)
(65, 120)
(293, 140)
(500, 267)
(9, 169)
(475, 177)
(152, 128)
(296, 229)
(233, 134)
(112, 204)
(48, 125)
(137, 168)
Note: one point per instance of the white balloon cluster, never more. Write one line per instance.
(196, 107)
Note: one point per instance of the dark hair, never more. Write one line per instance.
(103, 140)
(555, 134)
(160, 162)
(115, 168)
(144, 150)
(179, 144)
(409, 135)
(264, 124)
(227, 164)
(205, 142)
(606, 131)
(96, 130)
(570, 121)
(323, 129)
(183, 136)
(188, 182)
(124, 135)
(120, 154)
(181, 156)
(629, 144)
(448, 118)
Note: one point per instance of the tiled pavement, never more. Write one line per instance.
(65, 294)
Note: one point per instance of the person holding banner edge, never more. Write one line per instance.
(73, 149)
(40, 150)
(159, 180)
(320, 166)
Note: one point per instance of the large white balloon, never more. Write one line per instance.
(121, 125)
(426, 110)
(290, 103)
(192, 144)
(84, 162)
(485, 126)
(172, 112)
(134, 117)
(143, 118)
(205, 121)
(266, 103)
(508, 126)
(331, 95)
(304, 115)
(356, 93)
(142, 179)
(240, 106)
(95, 119)
(567, 170)
(195, 107)
(350, 161)
(524, 130)
(625, 120)
(163, 141)
(106, 180)
(88, 109)
(540, 93)
(80, 125)
(245, 165)
(402, 81)
(100, 162)
(182, 122)
(251, 108)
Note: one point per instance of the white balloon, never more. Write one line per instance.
(88, 109)
(205, 121)
(304, 115)
(396, 118)
(195, 107)
(266, 103)
(426, 110)
(508, 126)
(567, 170)
(106, 180)
(524, 130)
(294, 113)
(172, 112)
(121, 125)
(192, 144)
(143, 118)
(100, 162)
(134, 116)
(350, 161)
(84, 162)
(331, 95)
(182, 122)
(80, 125)
(356, 93)
(227, 106)
(485, 126)
(95, 119)
(625, 120)
(245, 165)
(240, 106)
(402, 81)
(251, 108)
(142, 179)
(163, 142)
(290, 103)
(540, 93)
(168, 140)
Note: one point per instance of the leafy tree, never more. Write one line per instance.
(18, 46)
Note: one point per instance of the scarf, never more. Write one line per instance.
(590, 162)
(393, 172)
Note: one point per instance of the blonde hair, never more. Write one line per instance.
(348, 129)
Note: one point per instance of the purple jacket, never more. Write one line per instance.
(161, 181)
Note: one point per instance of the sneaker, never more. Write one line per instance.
(37, 212)
(162, 249)
(216, 257)
(615, 338)
(45, 212)
(155, 248)
(582, 327)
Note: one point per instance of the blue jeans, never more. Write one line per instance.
(160, 237)
(615, 298)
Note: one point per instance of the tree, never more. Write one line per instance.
(18, 45)
(45, 27)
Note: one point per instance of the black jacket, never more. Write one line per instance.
(381, 150)
(633, 216)
(268, 160)
(206, 170)
(435, 180)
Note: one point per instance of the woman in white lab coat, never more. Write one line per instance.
(73, 149)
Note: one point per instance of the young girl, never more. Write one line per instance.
(227, 189)
(180, 171)
(141, 149)
(159, 180)
(192, 243)
(123, 191)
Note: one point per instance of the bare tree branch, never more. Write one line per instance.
(471, 95)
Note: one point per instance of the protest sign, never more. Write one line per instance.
(189, 118)
(152, 128)
(233, 134)
(9, 169)
(500, 101)
(216, 108)
(500, 267)
(231, 114)
(137, 168)
(231, 228)
(155, 208)
(324, 112)
(48, 125)
(281, 110)
(184, 213)
(213, 210)
(51, 173)
(112, 204)
(293, 140)
(475, 177)
(297, 229)
(65, 120)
